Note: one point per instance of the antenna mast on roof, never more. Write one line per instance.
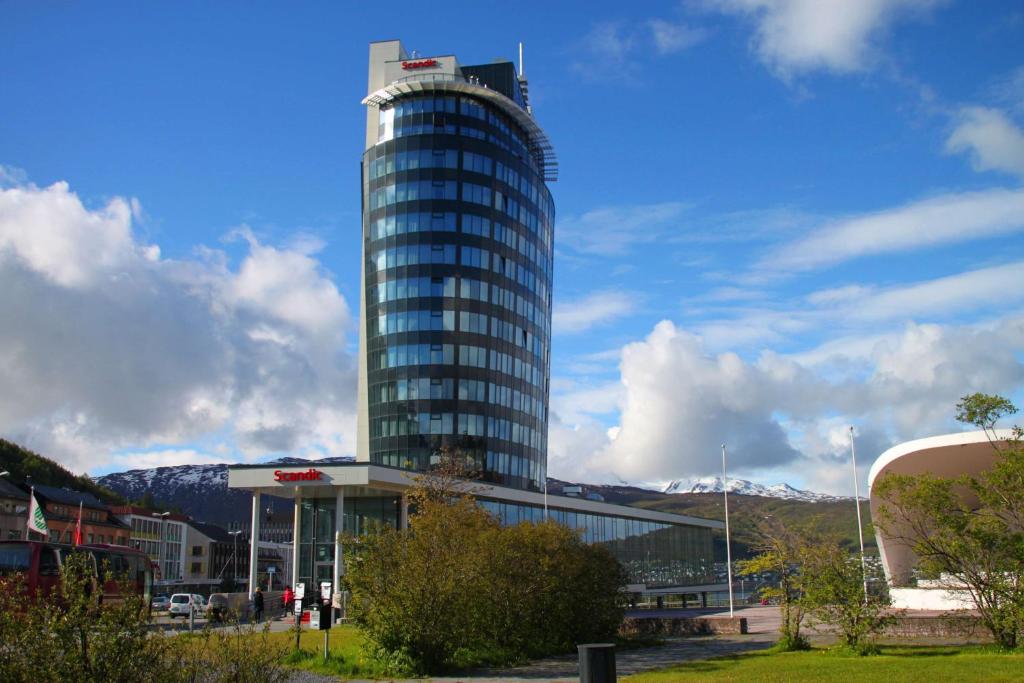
(520, 59)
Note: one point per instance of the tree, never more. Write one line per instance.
(833, 594)
(780, 555)
(968, 531)
(457, 588)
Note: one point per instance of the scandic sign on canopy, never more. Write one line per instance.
(309, 475)
(420, 64)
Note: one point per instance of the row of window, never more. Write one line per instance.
(511, 465)
(405, 223)
(499, 466)
(415, 254)
(413, 190)
(410, 160)
(410, 191)
(411, 255)
(390, 123)
(403, 355)
(391, 127)
(468, 288)
(445, 388)
(412, 321)
(474, 257)
(461, 424)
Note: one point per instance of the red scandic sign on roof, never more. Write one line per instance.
(309, 475)
(419, 64)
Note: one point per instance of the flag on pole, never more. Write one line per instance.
(78, 526)
(36, 519)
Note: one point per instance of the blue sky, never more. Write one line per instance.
(776, 218)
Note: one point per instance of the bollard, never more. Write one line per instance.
(597, 663)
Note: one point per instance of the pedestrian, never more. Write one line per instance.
(257, 604)
(288, 597)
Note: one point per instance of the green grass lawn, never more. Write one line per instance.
(345, 647)
(928, 664)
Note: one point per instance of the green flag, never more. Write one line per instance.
(36, 519)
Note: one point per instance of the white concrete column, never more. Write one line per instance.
(296, 529)
(254, 542)
(339, 556)
(339, 521)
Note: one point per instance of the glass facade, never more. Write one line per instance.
(458, 256)
(316, 530)
(656, 554)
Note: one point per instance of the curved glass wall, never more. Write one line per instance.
(457, 229)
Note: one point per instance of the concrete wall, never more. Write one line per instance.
(930, 598)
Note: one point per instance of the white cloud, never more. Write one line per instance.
(859, 309)
(681, 402)
(571, 317)
(612, 230)
(670, 37)
(106, 346)
(945, 219)
(993, 141)
(166, 457)
(799, 36)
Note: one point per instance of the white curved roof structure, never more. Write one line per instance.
(539, 143)
(949, 455)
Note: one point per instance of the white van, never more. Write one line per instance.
(183, 603)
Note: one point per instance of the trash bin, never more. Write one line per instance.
(597, 663)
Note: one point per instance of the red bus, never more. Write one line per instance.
(40, 563)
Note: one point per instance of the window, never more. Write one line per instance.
(471, 425)
(472, 390)
(477, 258)
(476, 225)
(197, 551)
(48, 565)
(477, 163)
(477, 194)
(472, 356)
(197, 568)
(472, 322)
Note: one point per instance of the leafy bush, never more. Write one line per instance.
(70, 636)
(458, 589)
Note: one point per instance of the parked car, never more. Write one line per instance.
(161, 603)
(217, 607)
(182, 604)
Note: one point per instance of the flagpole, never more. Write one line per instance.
(860, 528)
(28, 520)
(728, 549)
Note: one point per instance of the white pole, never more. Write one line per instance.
(520, 60)
(728, 548)
(860, 527)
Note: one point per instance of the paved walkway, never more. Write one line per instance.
(763, 623)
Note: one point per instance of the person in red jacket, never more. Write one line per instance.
(289, 597)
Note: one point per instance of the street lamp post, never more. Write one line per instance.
(234, 554)
(860, 527)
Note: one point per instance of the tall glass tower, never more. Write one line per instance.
(455, 336)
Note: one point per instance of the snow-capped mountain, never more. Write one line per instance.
(747, 488)
(200, 491)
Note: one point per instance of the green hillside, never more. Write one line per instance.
(22, 463)
(748, 513)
